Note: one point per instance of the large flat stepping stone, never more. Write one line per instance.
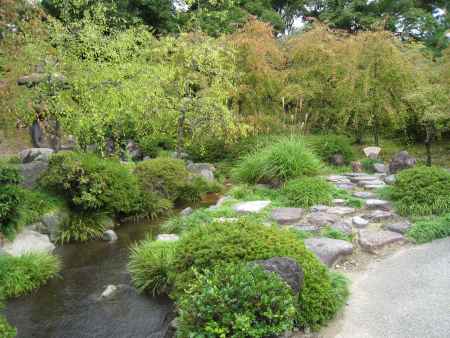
(322, 218)
(379, 215)
(346, 186)
(319, 208)
(375, 186)
(371, 240)
(363, 194)
(251, 207)
(338, 179)
(329, 250)
(359, 222)
(362, 178)
(341, 210)
(306, 228)
(287, 215)
(377, 204)
(344, 227)
(29, 241)
(400, 227)
(364, 184)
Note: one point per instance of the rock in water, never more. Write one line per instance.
(29, 241)
(287, 215)
(371, 240)
(109, 291)
(286, 268)
(109, 236)
(401, 161)
(251, 207)
(329, 250)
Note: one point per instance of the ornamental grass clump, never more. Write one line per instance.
(308, 191)
(427, 230)
(327, 146)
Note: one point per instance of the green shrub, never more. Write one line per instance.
(368, 164)
(424, 231)
(196, 187)
(91, 184)
(21, 275)
(335, 234)
(236, 300)
(350, 200)
(150, 266)
(308, 191)
(286, 159)
(6, 330)
(207, 245)
(421, 191)
(82, 227)
(326, 146)
(9, 174)
(10, 199)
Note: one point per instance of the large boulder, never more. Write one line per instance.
(53, 222)
(204, 170)
(329, 250)
(400, 161)
(287, 215)
(286, 268)
(35, 154)
(29, 241)
(31, 172)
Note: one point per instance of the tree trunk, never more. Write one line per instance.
(428, 142)
(180, 137)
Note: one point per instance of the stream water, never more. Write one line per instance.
(69, 307)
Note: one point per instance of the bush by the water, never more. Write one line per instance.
(207, 245)
(427, 230)
(82, 227)
(421, 191)
(308, 191)
(326, 146)
(90, 183)
(9, 174)
(10, 198)
(150, 266)
(6, 330)
(285, 159)
(236, 300)
(20, 275)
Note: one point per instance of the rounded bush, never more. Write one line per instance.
(10, 199)
(150, 266)
(236, 300)
(422, 191)
(9, 174)
(207, 245)
(287, 158)
(308, 191)
(326, 146)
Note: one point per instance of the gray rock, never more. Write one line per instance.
(379, 168)
(109, 292)
(390, 179)
(134, 151)
(371, 240)
(337, 160)
(329, 250)
(338, 179)
(359, 222)
(372, 152)
(35, 154)
(319, 207)
(306, 228)
(287, 215)
(375, 186)
(251, 207)
(29, 241)
(286, 268)
(109, 236)
(187, 211)
(370, 182)
(32, 172)
(341, 210)
(399, 227)
(338, 201)
(322, 218)
(32, 79)
(363, 194)
(345, 186)
(204, 170)
(379, 215)
(400, 161)
(342, 227)
(54, 221)
(167, 237)
(365, 177)
(377, 204)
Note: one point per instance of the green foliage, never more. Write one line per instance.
(10, 198)
(308, 191)
(236, 301)
(350, 200)
(9, 174)
(368, 164)
(426, 230)
(6, 330)
(207, 245)
(335, 234)
(82, 227)
(21, 275)
(287, 158)
(90, 183)
(150, 266)
(421, 191)
(326, 146)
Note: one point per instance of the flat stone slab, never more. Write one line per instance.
(329, 250)
(344, 227)
(346, 186)
(363, 194)
(399, 227)
(167, 237)
(371, 240)
(359, 222)
(322, 218)
(251, 207)
(377, 204)
(390, 179)
(338, 201)
(306, 228)
(341, 210)
(319, 208)
(357, 179)
(370, 182)
(29, 241)
(338, 179)
(374, 186)
(379, 168)
(287, 215)
(379, 215)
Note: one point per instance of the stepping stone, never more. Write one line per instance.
(390, 179)
(363, 194)
(343, 227)
(345, 186)
(322, 218)
(329, 250)
(319, 208)
(379, 215)
(29, 241)
(287, 215)
(377, 204)
(341, 210)
(370, 182)
(379, 168)
(355, 174)
(338, 179)
(375, 186)
(371, 240)
(359, 222)
(399, 227)
(251, 207)
(306, 228)
(167, 237)
(365, 177)
(338, 201)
